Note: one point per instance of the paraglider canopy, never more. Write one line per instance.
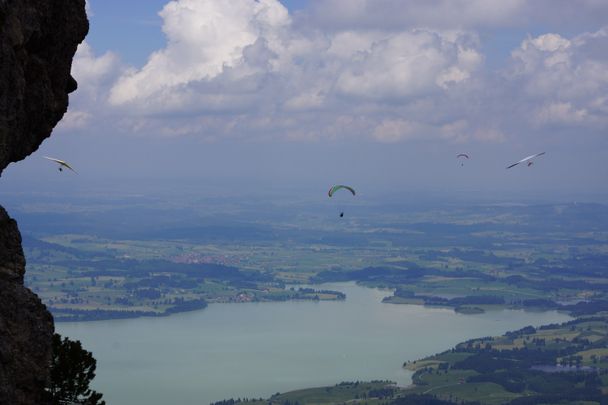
(462, 156)
(335, 188)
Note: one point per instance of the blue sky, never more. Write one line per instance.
(377, 93)
(131, 28)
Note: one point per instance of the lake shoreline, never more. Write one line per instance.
(258, 349)
(65, 315)
(93, 315)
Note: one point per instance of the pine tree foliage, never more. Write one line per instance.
(72, 370)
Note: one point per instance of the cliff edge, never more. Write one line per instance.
(38, 39)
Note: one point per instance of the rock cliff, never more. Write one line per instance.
(38, 39)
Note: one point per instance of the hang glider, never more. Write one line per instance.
(526, 159)
(61, 164)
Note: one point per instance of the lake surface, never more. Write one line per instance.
(257, 349)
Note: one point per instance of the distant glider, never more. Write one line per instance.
(333, 189)
(460, 156)
(61, 163)
(337, 187)
(527, 159)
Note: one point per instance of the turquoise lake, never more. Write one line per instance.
(257, 349)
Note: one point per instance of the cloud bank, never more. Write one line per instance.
(387, 70)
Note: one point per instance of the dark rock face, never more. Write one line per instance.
(38, 39)
(26, 327)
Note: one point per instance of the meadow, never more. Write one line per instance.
(151, 258)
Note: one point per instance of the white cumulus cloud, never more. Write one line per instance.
(387, 70)
(205, 38)
(405, 65)
(91, 71)
(249, 62)
(565, 80)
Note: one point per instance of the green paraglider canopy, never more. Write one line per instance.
(338, 187)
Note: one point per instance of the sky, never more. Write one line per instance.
(302, 94)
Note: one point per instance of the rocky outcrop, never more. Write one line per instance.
(38, 39)
(26, 327)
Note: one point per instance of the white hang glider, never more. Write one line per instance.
(61, 163)
(527, 159)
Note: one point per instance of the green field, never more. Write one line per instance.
(455, 375)
(534, 257)
(375, 392)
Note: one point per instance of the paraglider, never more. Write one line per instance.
(335, 188)
(61, 163)
(526, 159)
(461, 157)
